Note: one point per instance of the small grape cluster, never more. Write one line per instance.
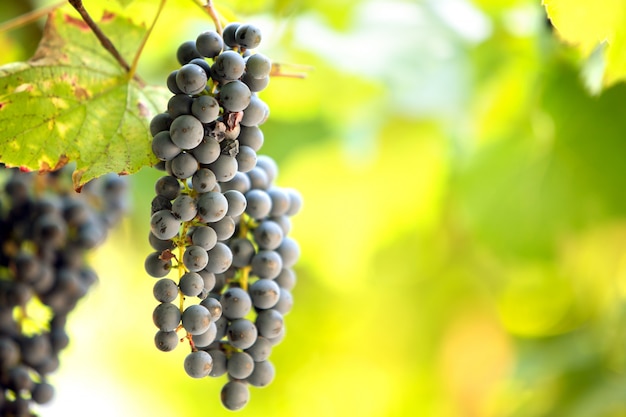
(218, 219)
(46, 231)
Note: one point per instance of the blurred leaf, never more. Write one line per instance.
(588, 24)
(524, 193)
(73, 102)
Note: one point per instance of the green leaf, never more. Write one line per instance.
(72, 101)
(590, 25)
(522, 195)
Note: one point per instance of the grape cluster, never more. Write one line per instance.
(46, 230)
(218, 220)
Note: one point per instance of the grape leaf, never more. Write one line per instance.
(72, 101)
(589, 25)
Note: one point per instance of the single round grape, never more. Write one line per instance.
(260, 350)
(262, 375)
(35, 350)
(196, 319)
(224, 167)
(259, 204)
(224, 228)
(19, 378)
(264, 293)
(207, 151)
(9, 350)
(221, 324)
(280, 201)
(235, 96)
(258, 66)
(198, 364)
(204, 180)
(284, 223)
(236, 303)
(206, 338)
(165, 290)
(285, 302)
(156, 267)
(42, 393)
(239, 182)
(209, 282)
(248, 36)
(171, 83)
(269, 323)
(166, 316)
(236, 203)
(228, 34)
(246, 159)
(168, 187)
(186, 131)
(268, 235)
(179, 105)
(241, 333)
(214, 306)
(218, 78)
(184, 207)
(191, 284)
(186, 52)
(255, 84)
(229, 65)
(235, 395)
(166, 341)
(255, 113)
(286, 279)
(205, 108)
(164, 225)
(266, 264)
(195, 258)
(295, 202)
(163, 147)
(212, 206)
(258, 178)
(242, 250)
(289, 251)
(160, 122)
(184, 165)
(279, 338)
(191, 79)
(201, 62)
(251, 136)
(220, 258)
(240, 365)
(219, 362)
(209, 44)
(204, 236)
(267, 164)
(159, 203)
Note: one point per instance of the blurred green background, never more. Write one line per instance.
(463, 235)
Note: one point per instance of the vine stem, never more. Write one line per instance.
(208, 7)
(277, 70)
(213, 13)
(133, 67)
(104, 40)
(29, 17)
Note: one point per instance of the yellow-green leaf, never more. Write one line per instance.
(587, 25)
(72, 101)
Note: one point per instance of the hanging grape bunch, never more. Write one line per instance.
(219, 225)
(46, 231)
